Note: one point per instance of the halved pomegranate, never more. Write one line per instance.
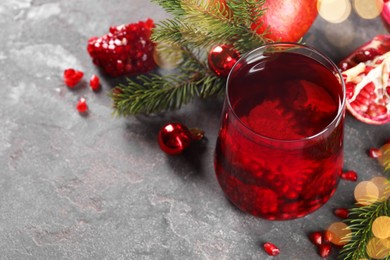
(366, 73)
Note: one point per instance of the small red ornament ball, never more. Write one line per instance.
(221, 59)
(174, 138)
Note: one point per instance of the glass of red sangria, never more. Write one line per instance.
(279, 152)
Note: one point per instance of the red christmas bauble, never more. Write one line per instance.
(221, 59)
(174, 138)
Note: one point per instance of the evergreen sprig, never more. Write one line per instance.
(360, 221)
(361, 218)
(196, 26)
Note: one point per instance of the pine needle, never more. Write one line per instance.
(360, 221)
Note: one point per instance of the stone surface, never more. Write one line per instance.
(99, 187)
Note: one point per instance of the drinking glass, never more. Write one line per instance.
(279, 152)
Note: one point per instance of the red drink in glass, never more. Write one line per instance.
(279, 153)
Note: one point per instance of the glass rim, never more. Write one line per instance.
(341, 106)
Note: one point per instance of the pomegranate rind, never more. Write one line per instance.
(368, 88)
(379, 45)
(366, 75)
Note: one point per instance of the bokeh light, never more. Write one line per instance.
(366, 193)
(381, 227)
(339, 233)
(376, 249)
(167, 57)
(334, 11)
(368, 9)
(383, 185)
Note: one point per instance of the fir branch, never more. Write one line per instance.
(171, 6)
(223, 28)
(384, 159)
(246, 12)
(155, 93)
(179, 33)
(196, 26)
(150, 93)
(360, 221)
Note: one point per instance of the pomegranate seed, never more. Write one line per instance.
(324, 250)
(94, 83)
(316, 238)
(362, 99)
(349, 176)
(341, 213)
(72, 77)
(370, 87)
(82, 106)
(271, 249)
(374, 153)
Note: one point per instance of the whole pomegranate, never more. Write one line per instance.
(284, 20)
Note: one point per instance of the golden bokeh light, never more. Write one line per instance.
(376, 249)
(167, 57)
(383, 185)
(366, 193)
(339, 233)
(381, 227)
(334, 11)
(368, 9)
(385, 243)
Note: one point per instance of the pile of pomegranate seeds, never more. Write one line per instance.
(72, 77)
(126, 49)
(320, 240)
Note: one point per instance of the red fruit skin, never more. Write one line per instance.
(377, 46)
(285, 20)
(386, 14)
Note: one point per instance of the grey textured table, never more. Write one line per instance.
(99, 187)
